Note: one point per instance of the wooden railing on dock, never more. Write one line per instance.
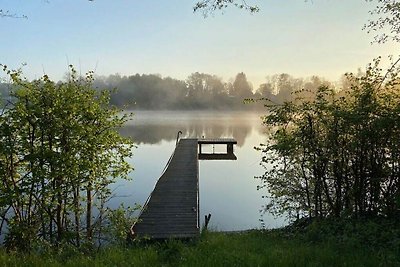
(229, 155)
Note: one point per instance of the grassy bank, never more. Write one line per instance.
(317, 244)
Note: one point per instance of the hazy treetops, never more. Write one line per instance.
(200, 91)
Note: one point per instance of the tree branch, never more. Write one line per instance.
(210, 6)
(7, 14)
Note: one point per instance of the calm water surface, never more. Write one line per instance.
(228, 189)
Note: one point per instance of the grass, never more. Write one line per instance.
(317, 244)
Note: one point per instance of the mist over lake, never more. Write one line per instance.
(228, 189)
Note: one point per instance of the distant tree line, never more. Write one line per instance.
(200, 91)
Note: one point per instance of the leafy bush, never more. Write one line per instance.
(337, 153)
(118, 224)
(59, 151)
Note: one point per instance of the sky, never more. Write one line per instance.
(302, 38)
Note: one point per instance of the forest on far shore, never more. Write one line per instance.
(198, 91)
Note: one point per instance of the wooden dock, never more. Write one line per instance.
(172, 209)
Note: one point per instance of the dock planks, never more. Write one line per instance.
(173, 208)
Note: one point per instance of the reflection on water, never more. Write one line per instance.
(152, 127)
(227, 188)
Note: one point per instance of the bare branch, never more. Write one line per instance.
(7, 14)
(210, 6)
(385, 22)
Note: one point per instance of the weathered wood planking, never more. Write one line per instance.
(173, 208)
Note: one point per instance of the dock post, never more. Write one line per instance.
(230, 148)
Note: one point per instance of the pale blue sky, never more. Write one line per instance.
(321, 37)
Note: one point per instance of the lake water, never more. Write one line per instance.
(228, 189)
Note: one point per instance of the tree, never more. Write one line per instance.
(59, 153)
(337, 154)
(241, 88)
(280, 88)
(387, 21)
(204, 90)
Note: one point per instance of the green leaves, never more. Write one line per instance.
(337, 153)
(59, 152)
